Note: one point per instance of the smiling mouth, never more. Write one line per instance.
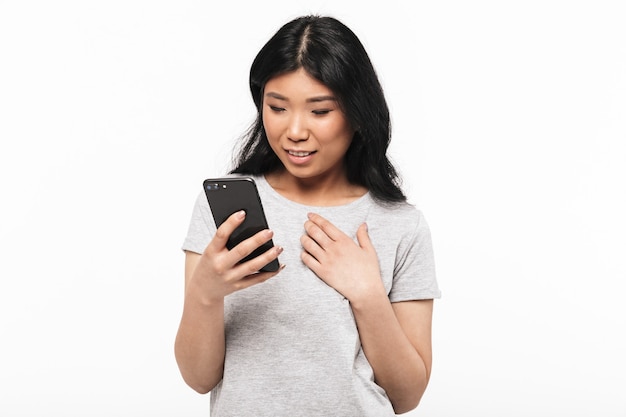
(300, 154)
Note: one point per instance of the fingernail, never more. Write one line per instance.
(241, 214)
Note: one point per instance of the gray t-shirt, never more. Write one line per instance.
(292, 345)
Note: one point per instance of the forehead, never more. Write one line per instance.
(296, 84)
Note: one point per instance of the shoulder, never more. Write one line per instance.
(399, 222)
(397, 211)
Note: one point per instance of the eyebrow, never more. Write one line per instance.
(315, 99)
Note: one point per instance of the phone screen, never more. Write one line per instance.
(229, 195)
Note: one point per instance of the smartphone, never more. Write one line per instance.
(228, 195)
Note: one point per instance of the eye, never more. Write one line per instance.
(276, 109)
(321, 112)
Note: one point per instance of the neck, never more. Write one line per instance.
(328, 191)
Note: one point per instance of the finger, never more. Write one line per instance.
(311, 247)
(317, 234)
(363, 237)
(249, 245)
(328, 228)
(254, 265)
(256, 278)
(226, 229)
(311, 262)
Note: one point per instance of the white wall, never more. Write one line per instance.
(510, 131)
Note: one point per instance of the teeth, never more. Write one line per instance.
(299, 153)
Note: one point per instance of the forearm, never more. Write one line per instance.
(200, 344)
(398, 366)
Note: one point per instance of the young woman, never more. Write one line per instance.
(344, 327)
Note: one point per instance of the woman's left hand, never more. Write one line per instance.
(349, 267)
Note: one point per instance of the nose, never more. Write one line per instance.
(297, 130)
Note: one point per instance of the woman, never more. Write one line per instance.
(344, 327)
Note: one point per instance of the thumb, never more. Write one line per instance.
(363, 237)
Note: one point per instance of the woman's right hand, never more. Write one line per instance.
(218, 272)
(200, 345)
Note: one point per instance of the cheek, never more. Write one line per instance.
(266, 124)
(338, 134)
(270, 126)
(272, 132)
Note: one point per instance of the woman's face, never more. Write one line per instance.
(305, 126)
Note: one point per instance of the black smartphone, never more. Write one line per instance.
(228, 195)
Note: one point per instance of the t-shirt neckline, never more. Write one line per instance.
(262, 182)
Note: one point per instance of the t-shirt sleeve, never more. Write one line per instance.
(201, 227)
(414, 275)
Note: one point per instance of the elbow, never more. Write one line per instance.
(201, 382)
(200, 389)
(199, 386)
(201, 378)
(407, 400)
(408, 404)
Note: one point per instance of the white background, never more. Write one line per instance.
(509, 130)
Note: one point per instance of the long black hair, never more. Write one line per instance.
(330, 52)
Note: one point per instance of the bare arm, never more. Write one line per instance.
(200, 343)
(396, 338)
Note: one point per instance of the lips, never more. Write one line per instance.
(300, 158)
(300, 154)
